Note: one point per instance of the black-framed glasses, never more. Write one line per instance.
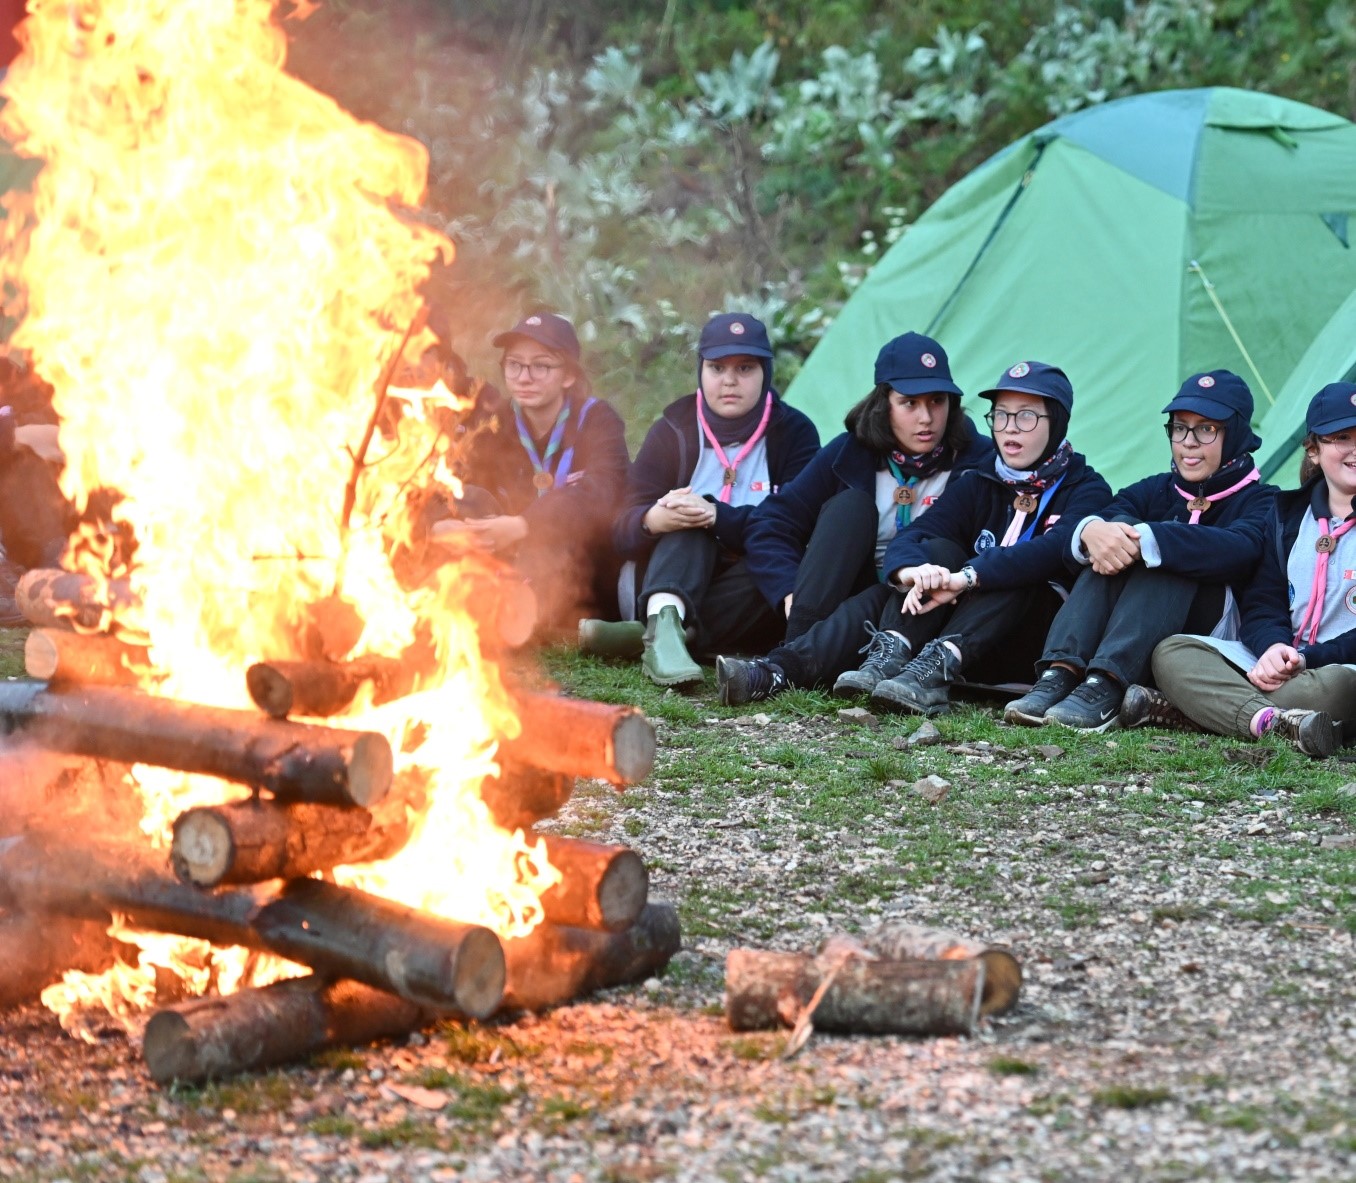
(1024, 420)
(538, 370)
(1202, 433)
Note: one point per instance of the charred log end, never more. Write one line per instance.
(269, 690)
(371, 769)
(634, 749)
(1002, 982)
(203, 848)
(481, 974)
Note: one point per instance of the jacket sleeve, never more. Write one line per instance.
(796, 444)
(597, 480)
(1218, 554)
(778, 530)
(1264, 604)
(653, 473)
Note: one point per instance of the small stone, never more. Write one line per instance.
(925, 736)
(858, 716)
(1337, 842)
(761, 720)
(1049, 751)
(933, 789)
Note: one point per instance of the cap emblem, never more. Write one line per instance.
(737, 329)
(928, 360)
(1020, 370)
(1353, 399)
(1206, 381)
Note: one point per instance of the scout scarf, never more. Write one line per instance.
(1033, 491)
(1325, 544)
(731, 467)
(543, 478)
(1200, 501)
(908, 470)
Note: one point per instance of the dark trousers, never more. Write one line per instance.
(721, 601)
(1111, 623)
(840, 560)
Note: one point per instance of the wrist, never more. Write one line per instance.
(968, 574)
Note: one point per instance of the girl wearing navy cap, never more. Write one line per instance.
(1169, 554)
(822, 538)
(710, 458)
(972, 573)
(1291, 671)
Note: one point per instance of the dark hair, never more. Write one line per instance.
(869, 422)
(1308, 465)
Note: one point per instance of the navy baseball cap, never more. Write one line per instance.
(734, 334)
(915, 364)
(1332, 409)
(545, 328)
(1220, 394)
(1034, 377)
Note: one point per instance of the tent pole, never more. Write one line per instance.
(1228, 324)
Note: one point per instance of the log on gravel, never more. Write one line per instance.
(51, 598)
(556, 963)
(601, 887)
(62, 657)
(880, 997)
(38, 949)
(321, 688)
(1002, 971)
(296, 761)
(214, 1037)
(583, 739)
(520, 796)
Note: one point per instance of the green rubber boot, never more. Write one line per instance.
(611, 638)
(666, 660)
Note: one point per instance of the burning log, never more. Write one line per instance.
(520, 796)
(297, 762)
(51, 598)
(59, 656)
(39, 949)
(324, 688)
(580, 738)
(209, 1038)
(601, 887)
(556, 963)
(878, 997)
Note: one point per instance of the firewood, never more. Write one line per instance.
(63, 657)
(213, 1037)
(1002, 971)
(520, 796)
(51, 598)
(40, 948)
(296, 761)
(880, 997)
(601, 887)
(556, 963)
(583, 739)
(323, 688)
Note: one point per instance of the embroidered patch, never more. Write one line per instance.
(1290, 591)
(1205, 380)
(928, 501)
(1350, 599)
(1020, 370)
(533, 320)
(737, 329)
(928, 360)
(1348, 576)
(985, 541)
(756, 486)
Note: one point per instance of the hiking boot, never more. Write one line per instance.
(1313, 732)
(887, 654)
(748, 681)
(611, 638)
(1143, 706)
(1053, 686)
(921, 686)
(666, 661)
(1093, 705)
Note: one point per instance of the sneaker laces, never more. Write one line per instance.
(885, 651)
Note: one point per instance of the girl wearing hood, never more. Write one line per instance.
(1168, 555)
(967, 578)
(711, 457)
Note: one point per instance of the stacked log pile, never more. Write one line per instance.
(239, 873)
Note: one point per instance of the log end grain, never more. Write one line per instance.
(622, 891)
(269, 690)
(371, 769)
(634, 748)
(1002, 982)
(203, 848)
(481, 975)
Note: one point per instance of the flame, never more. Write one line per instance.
(216, 271)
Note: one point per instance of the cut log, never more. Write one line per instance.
(39, 949)
(62, 657)
(765, 989)
(324, 688)
(601, 887)
(296, 761)
(1002, 971)
(349, 933)
(505, 604)
(51, 598)
(583, 739)
(257, 840)
(556, 963)
(520, 796)
(211, 1038)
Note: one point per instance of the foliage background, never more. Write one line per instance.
(641, 166)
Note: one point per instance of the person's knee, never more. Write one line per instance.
(1168, 656)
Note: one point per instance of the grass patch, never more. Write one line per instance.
(1010, 1066)
(1131, 1096)
(754, 1048)
(12, 641)
(481, 1045)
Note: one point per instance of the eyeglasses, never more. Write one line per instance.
(1025, 420)
(1344, 441)
(1202, 433)
(539, 370)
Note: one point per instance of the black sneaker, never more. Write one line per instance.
(1053, 686)
(1313, 732)
(1143, 706)
(748, 681)
(887, 654)
(1093, 706)
(921, 686)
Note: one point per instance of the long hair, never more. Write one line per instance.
(869, 422)
(1308, 464)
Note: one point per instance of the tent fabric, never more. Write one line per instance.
(1107, 243)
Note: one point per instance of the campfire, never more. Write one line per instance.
(335, 766)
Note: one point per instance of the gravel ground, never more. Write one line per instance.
(1162, 1036)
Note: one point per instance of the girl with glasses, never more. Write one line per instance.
(1168, 554)
(1291, 671)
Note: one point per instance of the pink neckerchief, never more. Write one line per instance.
(731, 466)
(1325, 545)
(1198, 505)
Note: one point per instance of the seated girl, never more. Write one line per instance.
(822, 538)
(1291, 672)
(975, 573)
(1167, 556)
(711, 457)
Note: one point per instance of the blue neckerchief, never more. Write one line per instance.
(1026, 534)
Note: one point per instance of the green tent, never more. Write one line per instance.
(1133, 244)
(1331, 358)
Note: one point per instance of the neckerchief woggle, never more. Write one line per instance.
(731, 467)
(1026, 502)
(921, 466)
(1198, 505)
(543, 479)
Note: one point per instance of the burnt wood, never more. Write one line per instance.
(62, 657)
(39, 948)
(51, 598)
(520, 796)
(324, 688)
